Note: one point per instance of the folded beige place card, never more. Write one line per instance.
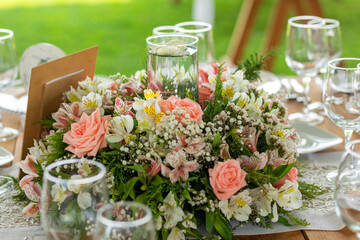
(48, 82)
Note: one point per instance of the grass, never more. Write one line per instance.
(120, 27)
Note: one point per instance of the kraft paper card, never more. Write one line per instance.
(48, 82)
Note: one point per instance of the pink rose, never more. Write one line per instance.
(192, 108)
(28, 165)
(291, 176)
(31, 210)
(87, 135)
(226, 178)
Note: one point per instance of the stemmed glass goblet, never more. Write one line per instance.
(8, 73)
(339, 97)
(306, 52)
(347, 187)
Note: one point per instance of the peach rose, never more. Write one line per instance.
(192, 108)
(87, 135)
(226, 178)
(291, 176)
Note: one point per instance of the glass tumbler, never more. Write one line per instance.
(124, 220)
(72, 192)
(172, 62)
(203, 31)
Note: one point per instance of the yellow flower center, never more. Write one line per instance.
(151, 94)
(90, 104)
(74, 98)
(150, 111)
(242, 103)
(279, 134)
(228, 92)
(241, 202)
(159, 117)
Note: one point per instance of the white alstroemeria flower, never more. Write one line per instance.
(140, 74)
(253, 108)
(104, 83)
(120, 128)
(172, 212)
(158, 223)
(89, 85)
(212, 82)
(148, 111)
(289, 196)
(84, 167)
(176, 234)
(38, 150)
(243, 99)
(238, 206)
(58, 193)
(75, 187)
(91, 102)
(234, 83)
(74, 95)
(263, 199)
(84, 200)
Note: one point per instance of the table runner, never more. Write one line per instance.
(320, 212)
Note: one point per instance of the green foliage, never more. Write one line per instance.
(311, 191)
(222, 226)
(210, 216)
(252, 66)
(57, 146)
(294, 220)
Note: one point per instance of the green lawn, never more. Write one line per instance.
(120, 27)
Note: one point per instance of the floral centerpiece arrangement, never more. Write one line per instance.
(230, 157)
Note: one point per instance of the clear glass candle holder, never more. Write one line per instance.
(164, 30)
(72, 192)
(172, 62)
(124, 220)
(203, 31)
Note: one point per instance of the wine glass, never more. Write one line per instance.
(306, 53)
(72, 191)
(347, 187)
(163, 30)
(333, 36)
(339, 97)
(203, 31)
(124, 220)
(8, 73)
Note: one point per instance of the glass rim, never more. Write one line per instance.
(9, 34)
(91, 179)
(165, 27)
(333, 23)
(195, 39)
(348, 149)
(122, 224)
(292, 22)
(334, 66)
(206, 27)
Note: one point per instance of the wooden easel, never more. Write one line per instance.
(277, 23)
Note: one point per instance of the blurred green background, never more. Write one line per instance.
(120, 27)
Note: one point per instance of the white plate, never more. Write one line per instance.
(314, 139)
(5, 156)
(270, 82)
(13, 104)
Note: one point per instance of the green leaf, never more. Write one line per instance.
(185, 194)
(222, 226)
(141, 198)
(156, 180)
(129, 187)
(210, 216)
(114, 145)
(284, 221)
(138, 168)
(164, 233)
(217, 140)
(281, 171)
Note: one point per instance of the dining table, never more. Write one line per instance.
(15, 146)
